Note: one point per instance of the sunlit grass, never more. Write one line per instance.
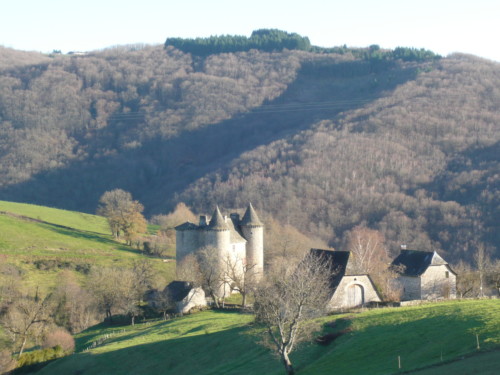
(76, 220)
(226, 343)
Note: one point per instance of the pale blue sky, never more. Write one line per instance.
(444, 26)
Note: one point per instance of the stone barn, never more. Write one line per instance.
(348, 290)
(185, 296)
(424, 275)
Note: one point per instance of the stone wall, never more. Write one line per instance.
(410, 287)
(340, 298)
(438, 282)
(195, 298)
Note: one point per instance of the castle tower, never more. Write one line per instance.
(218, 236)
(253, 231)
(187, 239)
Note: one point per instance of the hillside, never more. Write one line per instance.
(322, 140)
(222, 343)
(37, 244)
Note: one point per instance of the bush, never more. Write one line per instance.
(59, 337)
(34, 360)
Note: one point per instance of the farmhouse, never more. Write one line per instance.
(424, 275)
(348, 289)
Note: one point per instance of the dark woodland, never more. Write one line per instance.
(402, 141)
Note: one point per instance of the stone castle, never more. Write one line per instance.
(241, 240)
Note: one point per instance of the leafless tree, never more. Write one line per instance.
(495, 275)
(467, 280)
(188, 269)
(25, 318)
(482, 261)
(289, 297)
(242, 276)
(370, 256)
(162, 302)
(76, 308)
(211, 273)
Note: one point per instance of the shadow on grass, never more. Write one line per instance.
(416, 340)
(231, 351)
(89, 236)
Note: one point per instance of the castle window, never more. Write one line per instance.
(447, 274)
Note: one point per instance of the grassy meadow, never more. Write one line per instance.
(214, 342)
(41, 242)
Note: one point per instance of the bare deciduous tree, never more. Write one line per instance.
(369, 254)
(467, 280)
(242, 276)
(25, 318)
(290, 295)
(482, 261)
(211, 273)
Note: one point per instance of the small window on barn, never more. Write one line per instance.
(447, 274)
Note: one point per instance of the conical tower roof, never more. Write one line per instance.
(250, 218)
(217, 222)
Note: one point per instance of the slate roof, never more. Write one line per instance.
(250, 217)
(217, 222)
(337, 261)
(234, 233)
(416, 262)
(178, 290)
(186, 226)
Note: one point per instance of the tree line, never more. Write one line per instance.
(268, 40)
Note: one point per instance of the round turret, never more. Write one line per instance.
(253, 231)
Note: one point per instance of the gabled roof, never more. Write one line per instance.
(178, 290)
(235, 235)
(416, 262)
(336, 261)
(186, 226)
(217, 222)
(250, 217)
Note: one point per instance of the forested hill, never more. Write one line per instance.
(399, 141)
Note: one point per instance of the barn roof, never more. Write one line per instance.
(178, 290)
(336, 261)
(416, 262)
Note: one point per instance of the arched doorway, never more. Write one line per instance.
(355, 295)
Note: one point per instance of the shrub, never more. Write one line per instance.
(59, 337)
(37, 357)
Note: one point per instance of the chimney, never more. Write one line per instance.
(203, 221)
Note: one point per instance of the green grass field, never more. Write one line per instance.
(58, 240)
(225, 343)
(75, 220)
